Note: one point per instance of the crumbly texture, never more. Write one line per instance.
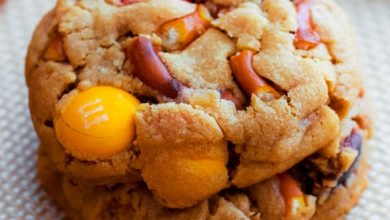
(132, 201)
(198, 153)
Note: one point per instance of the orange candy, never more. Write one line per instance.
(183, 182)
(97, 123)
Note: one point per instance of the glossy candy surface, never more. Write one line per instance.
(97, 123)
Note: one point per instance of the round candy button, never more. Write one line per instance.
(97, 123)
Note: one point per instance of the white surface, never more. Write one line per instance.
(20, 194)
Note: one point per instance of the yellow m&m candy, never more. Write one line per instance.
(97, 123)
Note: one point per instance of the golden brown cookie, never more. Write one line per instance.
(199, 109)
(121, 201)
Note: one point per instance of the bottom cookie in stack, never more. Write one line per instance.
(265, 200)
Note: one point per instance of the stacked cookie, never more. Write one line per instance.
(216, 109)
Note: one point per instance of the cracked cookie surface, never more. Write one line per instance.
(232, 94)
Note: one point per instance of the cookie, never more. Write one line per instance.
(199, 109)
(123, 201)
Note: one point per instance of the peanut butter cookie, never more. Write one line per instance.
(214, 109)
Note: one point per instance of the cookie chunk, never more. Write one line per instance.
(215, 109)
